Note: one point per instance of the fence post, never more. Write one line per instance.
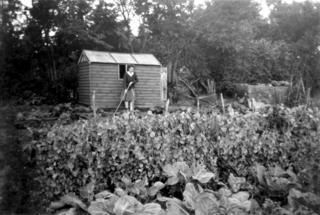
(93, 104)
(222, 102)
(308, 99)
(198, 104)
(167, 107)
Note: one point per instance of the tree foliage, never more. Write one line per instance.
(298, 24)
(41, 56)
(227, 41)
(233, 44)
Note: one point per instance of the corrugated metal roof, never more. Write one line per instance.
(146, 59)
(121, 58)
(97, 56)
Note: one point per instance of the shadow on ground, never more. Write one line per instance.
(16, 182)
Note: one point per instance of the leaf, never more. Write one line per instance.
(241, 196)
(166, 199)
(105, 202)
(224, 192)
(126, 180)
(277, 171)
(121, 206)
(278, 184)
(206, 203)
(203, 176)
(170, 170)
(292, 176)
(73, 200)
(104, 195)
(247, 205)
(260, 173)
(309, 200)
(120, 192)
(152, 134)
(133, 189)
(240, 200)
(71, 211)
(56, 205)
(189, 194)
(236, 210)
(139, 186)
(86, 192)
(283, 211)
(156, 187)
(235, 182)
(126, 204)
(175, 208)
(149, 209)
(255, 208)
(233, 202)
(182, 167)
(99, 208)
(172, 180)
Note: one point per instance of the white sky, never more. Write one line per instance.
(135, 22)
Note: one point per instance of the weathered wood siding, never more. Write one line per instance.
(105, 81)
(84, 84)
(148, 89)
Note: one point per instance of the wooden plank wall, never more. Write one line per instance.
(148, 91)
(105, 81)
(84, 84)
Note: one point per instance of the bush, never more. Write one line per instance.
(232, 90)
(103, 151)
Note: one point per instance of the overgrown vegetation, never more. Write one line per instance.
(273, 154)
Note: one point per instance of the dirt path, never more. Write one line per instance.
(14, 175)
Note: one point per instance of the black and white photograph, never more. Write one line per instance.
(159, 107)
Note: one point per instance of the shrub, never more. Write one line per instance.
(232, 90)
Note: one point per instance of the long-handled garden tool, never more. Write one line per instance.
(122, 98)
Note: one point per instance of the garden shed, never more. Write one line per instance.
(102, 73)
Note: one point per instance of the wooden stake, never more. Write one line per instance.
(308, 97)
(222, 102)
(94, 104)
(198, 104)
(167, 107)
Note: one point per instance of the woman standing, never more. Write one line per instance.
(130, 78)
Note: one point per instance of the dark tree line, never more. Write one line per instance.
(226, 41)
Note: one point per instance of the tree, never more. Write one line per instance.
(104, 26)
(42, 54)
(227, 29)
(166, 31)
(13, 55)
(298, 24)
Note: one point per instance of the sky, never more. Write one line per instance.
(135, 22)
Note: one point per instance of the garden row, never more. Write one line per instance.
(272, 154)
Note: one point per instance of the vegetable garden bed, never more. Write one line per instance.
(181, 163)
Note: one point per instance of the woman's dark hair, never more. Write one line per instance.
(129, 66)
